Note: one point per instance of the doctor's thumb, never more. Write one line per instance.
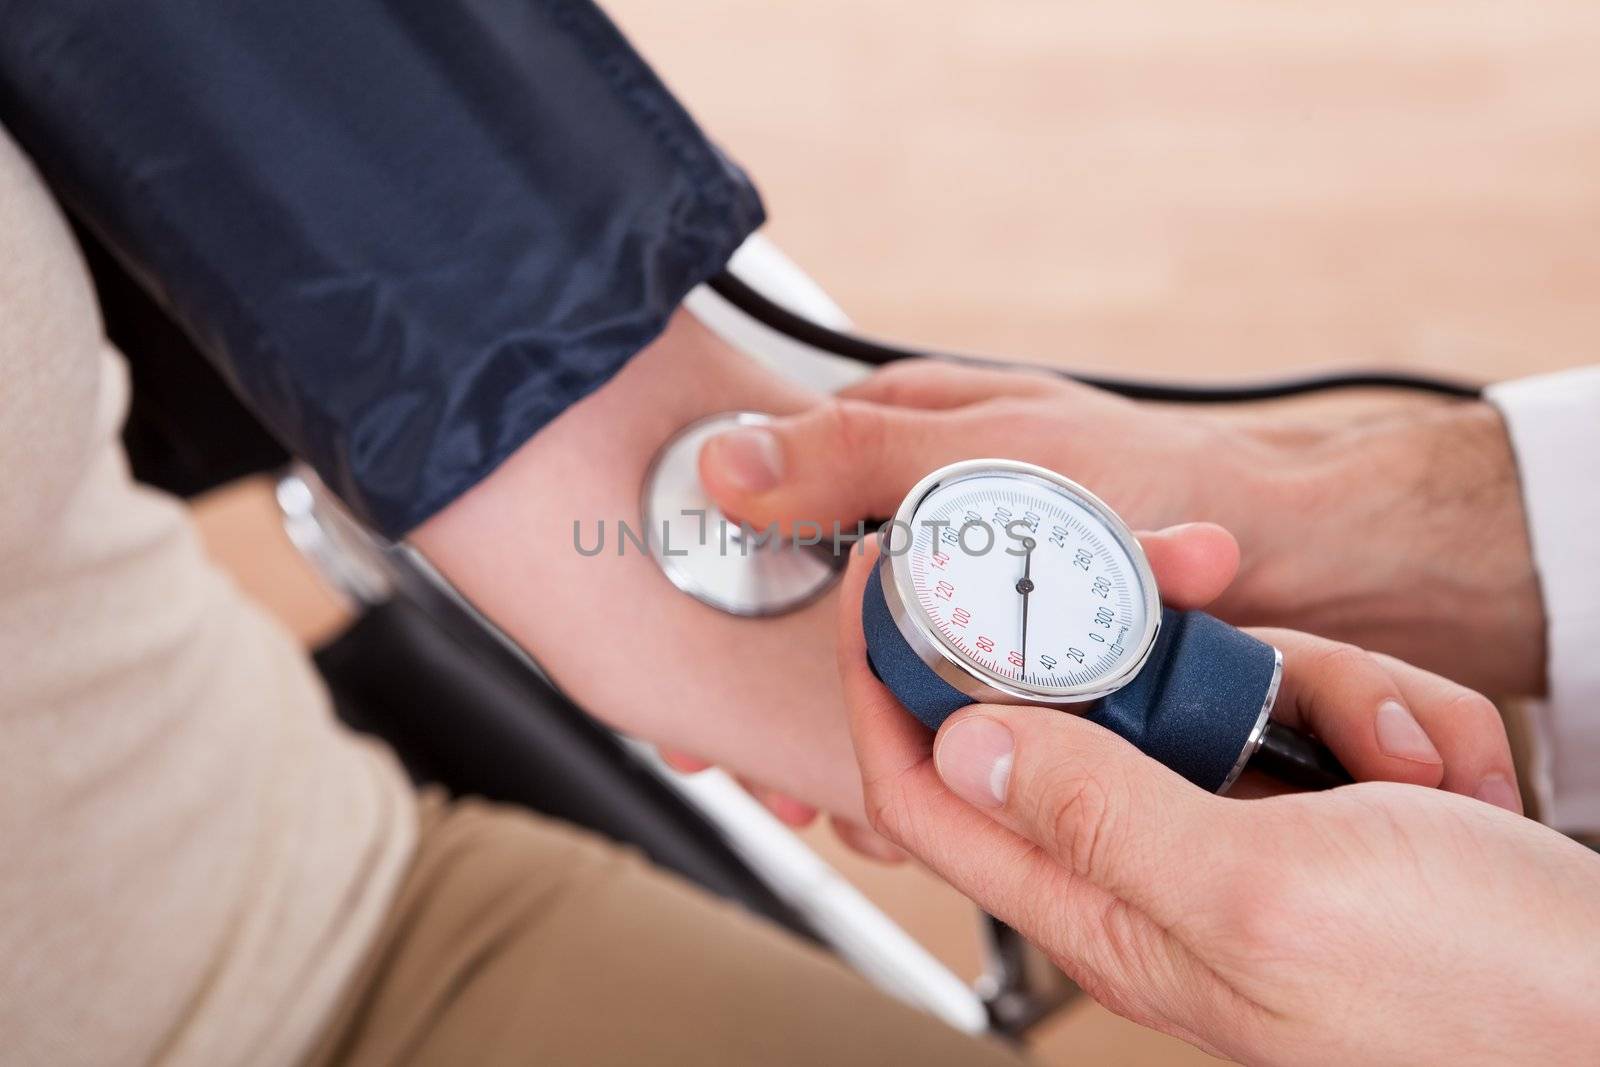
(1089, 799)
(842, 461)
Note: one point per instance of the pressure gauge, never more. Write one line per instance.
(1021, 584)
(1004, 582)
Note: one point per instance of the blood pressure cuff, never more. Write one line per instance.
(410, 233)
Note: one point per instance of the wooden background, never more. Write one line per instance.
(1193, 186)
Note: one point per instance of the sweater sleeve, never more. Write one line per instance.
(409, 232)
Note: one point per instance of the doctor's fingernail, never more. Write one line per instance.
(1400, 736)
(1497, 790)
(750, 458)
(974, 759)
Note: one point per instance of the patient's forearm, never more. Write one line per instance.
(759, 696)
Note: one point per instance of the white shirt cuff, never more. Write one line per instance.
(1554, 423)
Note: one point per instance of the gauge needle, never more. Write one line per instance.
(1025, 586)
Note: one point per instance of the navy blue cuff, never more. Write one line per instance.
(410, 233)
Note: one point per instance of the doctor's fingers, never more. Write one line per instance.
(1193, 563)
(935, 384)
(1389, 721)
(842, 461)
(1105, 812)
(1044, 819)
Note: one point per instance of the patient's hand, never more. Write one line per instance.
(1404, 535)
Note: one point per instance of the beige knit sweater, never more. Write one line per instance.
(193, 854)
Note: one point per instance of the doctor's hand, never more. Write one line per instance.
(1405, 535)
(1375, 923)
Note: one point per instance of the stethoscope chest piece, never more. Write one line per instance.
(715, 559)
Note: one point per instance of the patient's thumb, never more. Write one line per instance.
(839, 462)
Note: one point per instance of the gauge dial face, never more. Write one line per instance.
(1028, 581)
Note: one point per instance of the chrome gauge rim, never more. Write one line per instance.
(973, 679)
